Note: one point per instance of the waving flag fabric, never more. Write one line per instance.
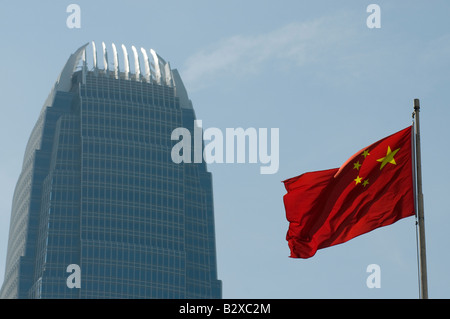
(374, 188)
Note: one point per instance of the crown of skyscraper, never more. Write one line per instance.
(148, 66)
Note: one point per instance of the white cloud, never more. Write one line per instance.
(295, 44)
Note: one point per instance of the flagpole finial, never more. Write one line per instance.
(416, 105)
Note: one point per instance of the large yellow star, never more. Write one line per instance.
(389, 158)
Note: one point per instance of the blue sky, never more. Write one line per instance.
(312, 69)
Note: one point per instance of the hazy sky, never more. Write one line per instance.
(315, 71)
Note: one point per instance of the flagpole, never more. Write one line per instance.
(420, 207)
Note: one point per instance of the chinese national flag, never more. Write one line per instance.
(374, 188)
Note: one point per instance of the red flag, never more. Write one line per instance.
(374, 188)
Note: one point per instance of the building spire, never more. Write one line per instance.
(105, 57)
(146, 65)
(94, 55)
(116, 61)
(137, 67)
(126, 61)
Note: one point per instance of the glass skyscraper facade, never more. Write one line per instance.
(98, 189)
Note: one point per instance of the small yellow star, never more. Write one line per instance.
(366, 182)
(357, 180)
(356, 165)
(365, 153)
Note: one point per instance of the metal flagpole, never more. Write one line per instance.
(420, 208)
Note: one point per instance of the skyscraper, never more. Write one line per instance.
(98, 189)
